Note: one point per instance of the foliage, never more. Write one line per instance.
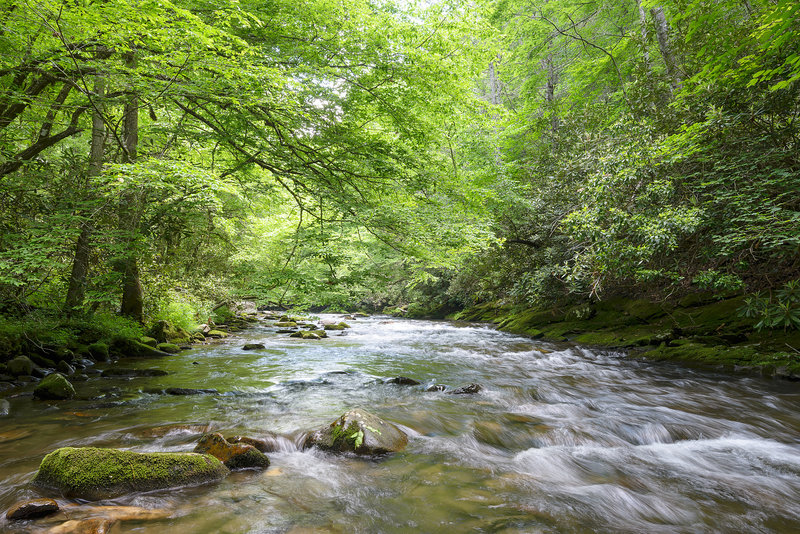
(778, 310)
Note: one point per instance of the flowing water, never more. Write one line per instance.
(561, 439)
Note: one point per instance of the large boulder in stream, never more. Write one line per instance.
(360, 432)
(54, 387)
(93, 474)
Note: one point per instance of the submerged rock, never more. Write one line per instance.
(360, 432)
(91, 473)
(233, 455)
(54, 387)
(403, 381)
(190, 391)
(469, 389)
(32, 508)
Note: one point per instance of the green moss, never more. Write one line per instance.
(171, 348)
(92, 473)
(98, 351)
(54, 386)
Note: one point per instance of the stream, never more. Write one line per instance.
(560, 439)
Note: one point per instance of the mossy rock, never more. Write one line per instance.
(149, 341)
(337, 326)
(41, 361)
(285, 324)
(164, 332)
(254, 346)
(168, 347)
(54, 387)
(20, 366)
(218, 334)
(135, 349)
(99, 352)
(93, 474)
(360, 432)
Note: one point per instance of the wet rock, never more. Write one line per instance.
(99, 352)
(149, 341)
(233, 455)
(135, 349)
(436, 387)
(403, 381)
(123, 372)
(65, 368)
(285, 324)
(5, 407)
(269, 444)
(20, 366)
(308, 335)
(360, 432)
(92, 473)
(94, 525)
(190, 391)
(41, 361)
(469, 389)
(171, 348)
(32, 508)
(254, 346)
(286, 331)
(54, 387)
(217, 334)
(337, 326)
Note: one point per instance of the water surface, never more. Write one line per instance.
(561, 439)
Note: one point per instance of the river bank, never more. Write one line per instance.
(701, 330)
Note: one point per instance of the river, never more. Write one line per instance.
(561, 438)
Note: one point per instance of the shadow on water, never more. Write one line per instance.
(560, 439)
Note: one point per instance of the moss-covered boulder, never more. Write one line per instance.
(306, 334)
(168, 347)
(233, 455)
(135, 349)
(54, 387)
(285, 324)
(149, 341)
(165, 332)
(360, 432)
(99, 352)
(20, 366)
(217, 334)
(91, 473)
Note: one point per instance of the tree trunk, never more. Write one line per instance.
(662, 34)
(643, 25)
(132, 293)
(80, 263)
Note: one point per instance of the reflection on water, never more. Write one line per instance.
(559, 440)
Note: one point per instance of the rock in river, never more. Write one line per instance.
(91, 473)
(469, 389)
(54, 386)
(403, 381)
(360, 432)
(254, 346)
(33, 508)
(233, 455)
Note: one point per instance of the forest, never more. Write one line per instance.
(159, 159)
(398, 266)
